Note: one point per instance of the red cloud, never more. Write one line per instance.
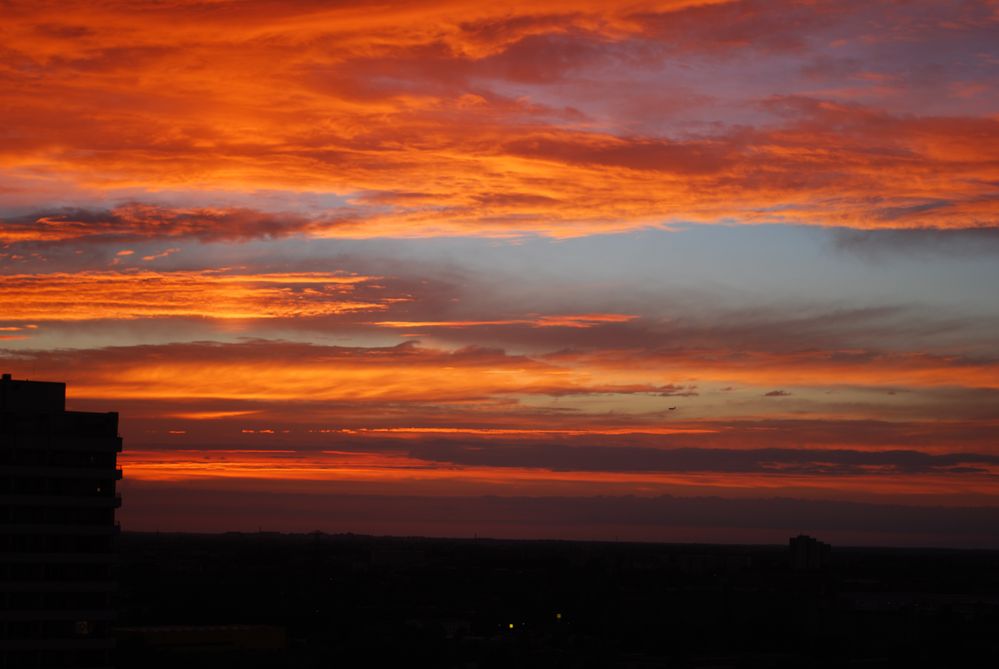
(431, 132)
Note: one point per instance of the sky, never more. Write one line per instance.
(674, 270)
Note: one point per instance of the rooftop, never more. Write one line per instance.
(35, 396)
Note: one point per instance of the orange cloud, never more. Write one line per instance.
(442, 118)
(563, 320)
(379, 379)
(414, 387)
(400, 374)
(209, 415)
(200, 294)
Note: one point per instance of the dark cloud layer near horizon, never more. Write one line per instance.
(822, 462)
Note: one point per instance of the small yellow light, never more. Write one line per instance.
(511, 625)
(558, 616)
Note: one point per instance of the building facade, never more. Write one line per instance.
(58, 476)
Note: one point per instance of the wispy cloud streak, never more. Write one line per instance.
(80, 296)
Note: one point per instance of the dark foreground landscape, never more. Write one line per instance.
(273, 600)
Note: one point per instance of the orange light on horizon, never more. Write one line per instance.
(403, 474)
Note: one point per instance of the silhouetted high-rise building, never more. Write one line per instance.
(57, 528)
(808, 554)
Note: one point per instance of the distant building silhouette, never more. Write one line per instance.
(57, 528)
(808, 554)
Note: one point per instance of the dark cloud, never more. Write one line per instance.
(819, 462)
(877, 244)
(722, 28)
(137, 221)
(777, 393)
(850, 336)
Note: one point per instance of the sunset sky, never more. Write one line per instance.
(669, 270)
